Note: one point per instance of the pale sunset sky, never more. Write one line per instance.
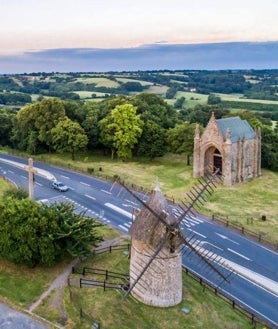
(30, 25)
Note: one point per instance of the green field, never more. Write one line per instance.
(240, 98)
(100, 82)
(142, 82)
(158, 90)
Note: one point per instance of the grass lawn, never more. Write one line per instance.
(112, 311)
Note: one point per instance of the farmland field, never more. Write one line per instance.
(240, 98)
(142, 82)
(100, 82)
(158, 90)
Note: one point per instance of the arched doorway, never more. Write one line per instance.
(217, 161)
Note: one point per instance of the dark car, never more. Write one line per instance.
(60, 186)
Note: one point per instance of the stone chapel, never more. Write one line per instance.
(231, 145)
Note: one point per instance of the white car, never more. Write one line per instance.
(59, 186)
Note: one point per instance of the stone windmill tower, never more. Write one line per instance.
(157, 240)
(161, 284)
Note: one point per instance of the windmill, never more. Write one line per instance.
(158, 242)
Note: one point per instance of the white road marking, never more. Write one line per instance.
(38, 183)
(184, 222)
(90, 197)
(134, 203)
(237, 253)
(85, 184)
(226, 238)
(118, 209)
(66, 177)
(203, 236)
(204, 242)
(23, 176)
(253, 277)
(127, 224)
(195, 219)
(123, 228)
(106, 191)
(12, 172)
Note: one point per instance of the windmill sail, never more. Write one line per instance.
(163, 234)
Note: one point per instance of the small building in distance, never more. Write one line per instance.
(231, 145)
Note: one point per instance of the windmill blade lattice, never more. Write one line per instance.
(173, 236)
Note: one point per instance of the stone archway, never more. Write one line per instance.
(217, 161)
(212, 160)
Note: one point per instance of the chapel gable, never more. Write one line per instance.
(230, 145)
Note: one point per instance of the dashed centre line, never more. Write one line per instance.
(85, 184)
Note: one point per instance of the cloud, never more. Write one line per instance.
(158, 56)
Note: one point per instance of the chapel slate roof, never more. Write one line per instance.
(239, 128)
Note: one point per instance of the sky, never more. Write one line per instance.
(48, 24)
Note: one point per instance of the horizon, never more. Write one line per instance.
(148, 57)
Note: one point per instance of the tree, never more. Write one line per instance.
(153, 108)
(180, 139)
(33, 123)
(269, 149)
(213, 99)
(32, 234)
(69, 136)
(152, 142)
(90, 124)
(120, 131)
(6, 119)
(179, 102)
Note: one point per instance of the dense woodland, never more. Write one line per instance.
(43, 112)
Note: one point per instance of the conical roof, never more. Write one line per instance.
(147, 228)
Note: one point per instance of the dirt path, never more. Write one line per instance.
(61, 281)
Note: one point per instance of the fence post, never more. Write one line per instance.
(80, 283)
(212, 217)
(242, 229)
(104, 285)
(73, 270)
(106, 274)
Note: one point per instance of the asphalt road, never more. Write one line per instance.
(252, 268)
(10, 319)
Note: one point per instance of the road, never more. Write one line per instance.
(252, 268)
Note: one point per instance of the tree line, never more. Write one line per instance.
(123, 126)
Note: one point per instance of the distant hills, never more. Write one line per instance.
(160, 56)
